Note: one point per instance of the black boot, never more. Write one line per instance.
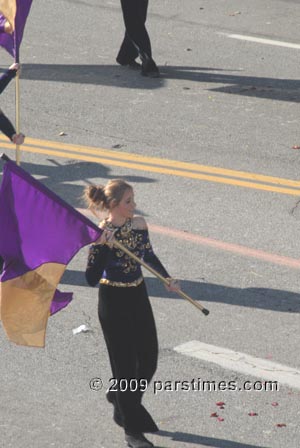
(137, 440)
(150, 69)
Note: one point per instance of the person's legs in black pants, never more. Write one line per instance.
(136, 41)
(147, 344)
(128, 326)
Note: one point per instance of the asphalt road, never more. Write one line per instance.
(228, 99)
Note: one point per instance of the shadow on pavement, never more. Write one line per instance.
(107, 75)
(61, 178)
(204, 441)
(253, 86)
(117, 76)
(261, 298)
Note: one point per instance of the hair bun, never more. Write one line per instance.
(98, 196)
(92, 192)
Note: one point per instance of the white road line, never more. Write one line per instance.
(240, 362)
(260, 40)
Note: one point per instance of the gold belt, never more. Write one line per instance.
(106, 281)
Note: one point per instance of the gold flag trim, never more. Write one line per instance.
(9, 8)
(25, 303)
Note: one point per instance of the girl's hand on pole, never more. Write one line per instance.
(107, 237)
(18, 139)
(173, 286)
(15, 66)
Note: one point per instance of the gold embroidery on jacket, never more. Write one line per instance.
(133, 241)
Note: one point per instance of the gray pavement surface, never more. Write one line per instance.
(220, 102)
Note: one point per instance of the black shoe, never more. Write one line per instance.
(150, 69)
(137, 440)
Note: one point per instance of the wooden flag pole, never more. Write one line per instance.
(17, 60)
(18, 115)
(158, 275)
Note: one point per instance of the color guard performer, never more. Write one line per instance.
(124, 308)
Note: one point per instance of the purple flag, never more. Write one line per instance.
(11, 42)
(39, 235)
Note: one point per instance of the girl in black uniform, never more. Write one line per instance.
(124, 309)
(136, 41)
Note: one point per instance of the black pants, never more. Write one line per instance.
(136, 41)
(129, 330)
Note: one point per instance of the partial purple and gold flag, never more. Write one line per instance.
(9, 8)
(39, 235)
(13, 15)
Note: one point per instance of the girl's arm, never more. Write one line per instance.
(98, 256)
(6, 78)
(97, 259)
(6, 126)
(151, 259)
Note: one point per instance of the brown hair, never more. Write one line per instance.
(105, 197)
